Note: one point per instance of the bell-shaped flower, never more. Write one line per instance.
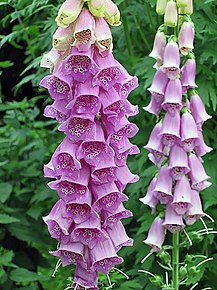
(104, 257)
(150, 199)
(69, 12)
(178, 162)
(159, 84)
(195, 212)
(188, 74)
(57, 111)
(171, 14)
(197, 174)
(119, 236)
(103, 36)
(173, 97)
(109, 73)
(198, 110)
(189, 133)
(154, 144)
(182, 196)
(122, 154)
(112, 14)
(163, 186)
(156, 235)
(186, 37)
(155, 105)
(89, 232)
(86, 99)
(107, 197)
(171, 61)
(125, 176)
(70, 189)
(159, 47)
(64, 159)
(59, 86)
(52, 59)
(105, 171)
(170, 132)
(70, 254)
(79, 127)
(80, 65)
(57, 225)
(126, 84)
(97, 7)
(85, 279)
(63, 38)
(201, 148)
(182, 3)
(187, 9)
(161, 6)
(49, 171)
(84, 31)
(173, 222)
(110, 219)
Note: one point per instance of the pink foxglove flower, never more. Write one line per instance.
(158, 47)
(198, 110)
(173, 97)
(156, 235)
(171, 61)
(103, 36)
(186, 38)
(163, 186)
(173, 222)
(170, 132)
(150, 198)
(178, 162)
(195, 212)
(63, 38)
(188, 74)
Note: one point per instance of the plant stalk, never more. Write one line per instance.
(175, 261)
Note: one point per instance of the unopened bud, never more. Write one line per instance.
(161, 7)
(171, 14)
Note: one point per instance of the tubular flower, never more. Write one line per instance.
(176, 144)
(89, 88)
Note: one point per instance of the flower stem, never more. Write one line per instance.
(176, 261)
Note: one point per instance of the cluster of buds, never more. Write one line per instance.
(176, 144)
(90, 90)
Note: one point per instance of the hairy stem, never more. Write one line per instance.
(175, 264)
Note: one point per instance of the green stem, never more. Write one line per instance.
(149, 17)
(141, 34)
(175, 260)
(127, 36)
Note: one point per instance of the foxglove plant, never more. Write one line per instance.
(89, 88)
(176, 143)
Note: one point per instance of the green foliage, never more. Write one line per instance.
(28, 141)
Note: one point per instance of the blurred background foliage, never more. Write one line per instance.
(27, 141)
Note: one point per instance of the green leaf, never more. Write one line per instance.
(23, 275)
(6, 219)
(5, 191)
(6, 63)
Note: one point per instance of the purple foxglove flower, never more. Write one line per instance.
(49, 170)
(85, 279)
(173, 222)
(89, 232)
(197, 174)
(104, 257)
(154, 143)
(125, 176)
(119, 236)
(110, 71)
(157, 158)
(159, 47)
(173, 97)
(171, 14)
(186, 38)
(182, 196)
(155, 106)
(79, 127)
(178, 162)
(188, 74)
(112, 14)
(163, 186)
(70, 253)
(70, 189)
(156, 235)
(84, 31)
(64, 159)
(198, 110)
(105, 171)
(159, 84)
(68, 12)
(103, 37)
(150, 199)
(161, 6)
(189, 133)
(63, 38)
(86, 99)
(80, 65)
(112, 218)
(171, 61)
(201, 148)
(107, 197)
(122, 154)
(126, 85)
(52, 59)
(170, 132)
(57, 225)
(59, 86)
(57, 111)
(195, 212)
(182, 3)
(97, 7)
